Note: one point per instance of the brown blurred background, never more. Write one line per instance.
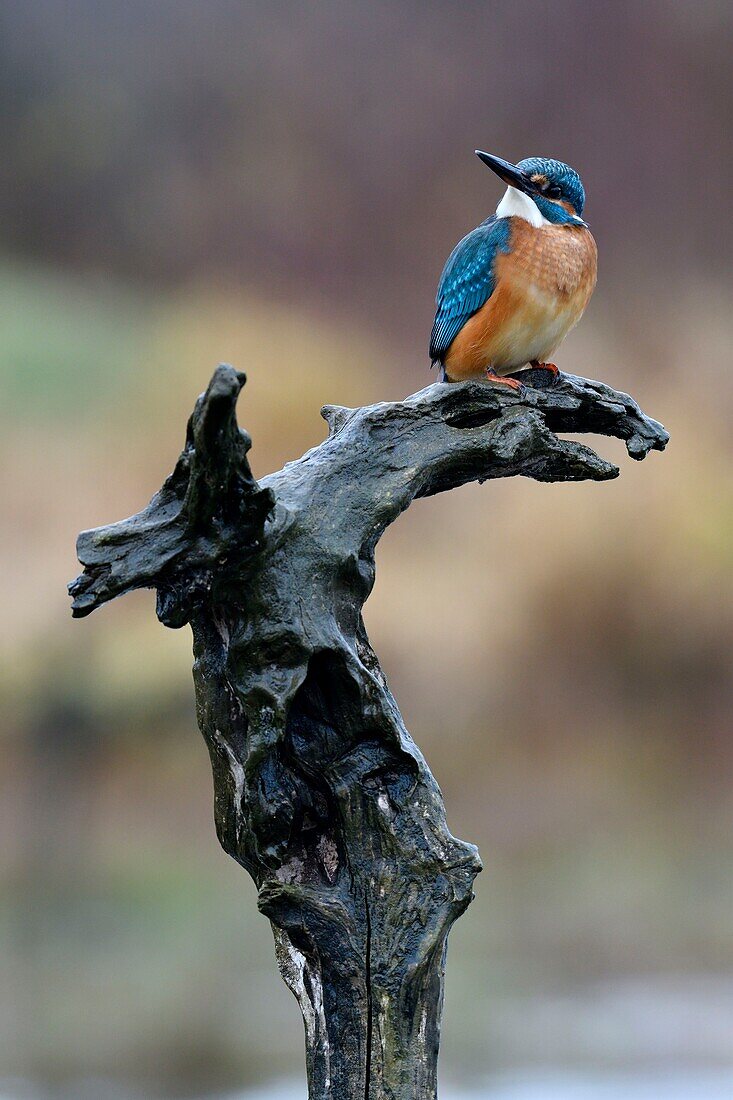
(277, 185)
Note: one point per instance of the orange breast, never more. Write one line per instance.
(542, 287)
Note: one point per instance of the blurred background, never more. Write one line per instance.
(277, 185)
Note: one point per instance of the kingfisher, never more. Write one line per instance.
(513, 288)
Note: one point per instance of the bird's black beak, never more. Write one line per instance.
(509, 173)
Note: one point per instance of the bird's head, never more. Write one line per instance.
(554, 188)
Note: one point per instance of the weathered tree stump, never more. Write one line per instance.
(320, 792)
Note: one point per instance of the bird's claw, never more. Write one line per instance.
(548, 372)
(513, 383)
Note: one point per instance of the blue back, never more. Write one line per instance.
(467, 281)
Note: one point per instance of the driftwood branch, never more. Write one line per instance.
(320, 792)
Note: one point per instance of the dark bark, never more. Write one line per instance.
(320, 792)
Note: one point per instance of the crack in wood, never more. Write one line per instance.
(370, 1002)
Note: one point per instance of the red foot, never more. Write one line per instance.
(545, 366)
(513, 383)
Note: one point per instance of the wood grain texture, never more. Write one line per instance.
(320, 793)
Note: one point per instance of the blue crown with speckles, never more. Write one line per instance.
(559, 174)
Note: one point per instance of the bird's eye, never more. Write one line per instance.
(553, 191)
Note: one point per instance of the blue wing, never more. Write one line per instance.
(467, 282)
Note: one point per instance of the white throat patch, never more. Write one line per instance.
(516, 204)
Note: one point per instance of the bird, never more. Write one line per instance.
(514, 286)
